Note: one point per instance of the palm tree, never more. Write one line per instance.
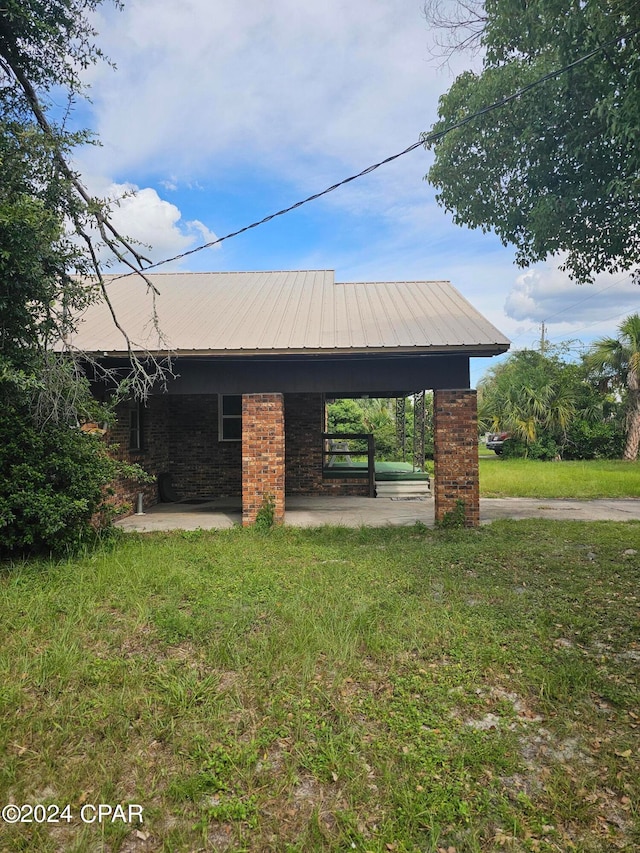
(527, 396)
(617, 362)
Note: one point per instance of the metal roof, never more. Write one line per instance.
(304, 311)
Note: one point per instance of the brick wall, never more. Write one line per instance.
(304, 424)
(152, 456)
(304, 418)
(455, 434)
(200, 464)
(263, 456)
(180, 435)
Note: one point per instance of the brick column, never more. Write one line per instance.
(455, 438)
(262, 454)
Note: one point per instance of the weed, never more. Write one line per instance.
(265, 517)
(455, 518)
(392, 689)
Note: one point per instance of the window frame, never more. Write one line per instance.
(227, 418)
(136, 432)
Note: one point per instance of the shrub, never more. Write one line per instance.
(601, 440)
(54, 481)
(544, 447)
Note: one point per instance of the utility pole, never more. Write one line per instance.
(543, 343)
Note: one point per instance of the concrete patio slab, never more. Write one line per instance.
(379, 512)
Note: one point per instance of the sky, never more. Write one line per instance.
(218, 114)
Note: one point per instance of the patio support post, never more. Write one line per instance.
(455, 438)
(262, 456)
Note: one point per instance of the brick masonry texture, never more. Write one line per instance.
(263, 457)
(304, 425)
(455, 433)
(180, 436)
(151, 457)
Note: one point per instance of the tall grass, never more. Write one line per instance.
(376, 690)
(530, 478)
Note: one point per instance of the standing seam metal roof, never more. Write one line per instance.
(303, 311)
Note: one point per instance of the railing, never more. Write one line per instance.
(337, 444)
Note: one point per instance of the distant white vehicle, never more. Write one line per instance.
(496, 440)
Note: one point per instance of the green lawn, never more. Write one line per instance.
(529, 478)
(329, 690)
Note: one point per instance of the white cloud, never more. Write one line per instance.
(546, 294)
(284, 84)
(200, 231)
(153, 224)
(294, 97)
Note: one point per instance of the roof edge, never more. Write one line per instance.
(480, 350)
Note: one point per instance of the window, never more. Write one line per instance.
(230, 417)
(135, 425)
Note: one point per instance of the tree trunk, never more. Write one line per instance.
(633, 419)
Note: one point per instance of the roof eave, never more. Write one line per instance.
(471, 350)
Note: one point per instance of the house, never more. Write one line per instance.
(255, 355)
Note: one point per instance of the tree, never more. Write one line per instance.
(379, 418)
(54, 476)
(556, 170)
(529, 396)
(616, 362)
(44, 47)
(551, 408)
(345, 416)
(377, 415)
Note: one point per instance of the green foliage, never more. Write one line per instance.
(38, 296)
(53, 476)
(51, 485)
(525, 394)
(544, 447)
(55, 480)
(377, 416)
(48, 44)
(615, 364)
(265, 517)
(555, 170)
(44, 273)
(594, 440)
(456, 518)
(345, 416)
(542, 400)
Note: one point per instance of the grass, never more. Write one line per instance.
(329, 690)
(530, 478)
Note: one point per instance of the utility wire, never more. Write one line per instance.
(591, 296)
(425, 139)
(594, 323)
(573, 305)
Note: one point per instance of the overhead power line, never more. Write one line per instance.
(425, 139)
(563, 311)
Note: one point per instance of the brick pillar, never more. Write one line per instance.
(262, 454)
(455, 438)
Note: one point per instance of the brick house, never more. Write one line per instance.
(255, 354)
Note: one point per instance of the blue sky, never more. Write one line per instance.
(221, 113)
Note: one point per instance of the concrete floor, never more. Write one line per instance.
(378, 512)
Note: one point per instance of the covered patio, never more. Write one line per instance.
(255, 356)
(316, 511)
(301, 511)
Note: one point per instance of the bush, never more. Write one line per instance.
(545, 447)
(54, 481)
(602, 440)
